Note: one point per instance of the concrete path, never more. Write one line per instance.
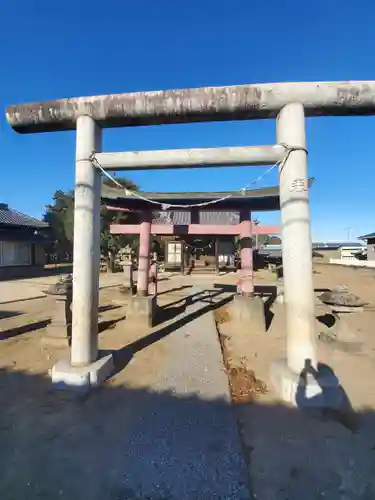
(189, 443)
(170, 436)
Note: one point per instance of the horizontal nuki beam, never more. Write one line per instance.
(190, 158)
(240, 102)
(193, 229)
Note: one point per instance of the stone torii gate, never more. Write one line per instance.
(288, 103)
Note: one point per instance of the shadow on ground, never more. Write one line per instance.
(23, 329)
(172, 311)
(9, 314)
(213, 298)
(120, 443)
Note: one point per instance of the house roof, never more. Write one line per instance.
(367, 236)
(10, 217)
(254, 199)
(335, 245)
(183, 217)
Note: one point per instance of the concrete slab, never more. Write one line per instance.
(83, 378)
(141, 310)
(249, 311)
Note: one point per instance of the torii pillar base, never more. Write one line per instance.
(82, 378)
(142, 310)
(249, 311)
(321, 390)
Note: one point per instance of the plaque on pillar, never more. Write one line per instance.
(58, 332)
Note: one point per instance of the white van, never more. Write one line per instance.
(350, 253)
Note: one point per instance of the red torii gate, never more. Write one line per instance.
(244, 230)
(238, 204)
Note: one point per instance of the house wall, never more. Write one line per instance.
(371, 249)
(20, 259)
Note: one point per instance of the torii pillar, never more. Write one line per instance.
(299, 301)
(142, 307)
(247, 308)
(86, 367)
(144, 254)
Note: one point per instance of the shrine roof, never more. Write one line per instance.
(255, 199)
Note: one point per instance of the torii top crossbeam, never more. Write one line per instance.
(242, 102)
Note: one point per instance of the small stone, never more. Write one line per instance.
(335, 298)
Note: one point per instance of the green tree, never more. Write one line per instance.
(110, 244)
(60, 217)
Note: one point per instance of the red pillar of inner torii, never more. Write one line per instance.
(144, 254)
(246, 282)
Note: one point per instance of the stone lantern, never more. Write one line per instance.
(126, 263)
(58, 332)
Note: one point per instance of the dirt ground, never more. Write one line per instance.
(308, 454)
(290, 453)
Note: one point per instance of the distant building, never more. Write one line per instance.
(370, 241)
(324, 250)
(335, 245)
(22, 241)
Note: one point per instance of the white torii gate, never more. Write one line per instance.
(288, 103)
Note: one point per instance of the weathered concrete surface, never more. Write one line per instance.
(241, 102)
(141, 311)
(250, 312)
(84, 378)
(191, 158)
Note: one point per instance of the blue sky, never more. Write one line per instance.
(61, 49)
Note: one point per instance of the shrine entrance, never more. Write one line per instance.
(288, 103)
(200, 254)
(204, 254)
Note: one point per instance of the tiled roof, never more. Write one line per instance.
(10, 217)
(183, 217)
(334, 245)
(367, 236)
(256, 200)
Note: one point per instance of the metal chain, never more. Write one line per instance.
(167, 206)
